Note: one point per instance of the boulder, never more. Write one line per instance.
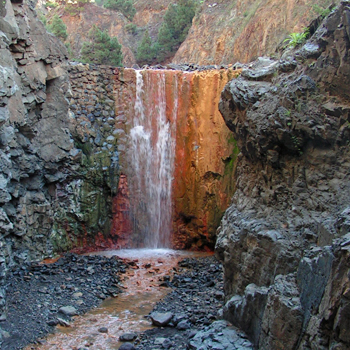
(161, 319)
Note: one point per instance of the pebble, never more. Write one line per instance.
(103, 330)
(64, 280)
(159, 341)
(127, 346)
(220, 335)
(183, 325)
(128, 337)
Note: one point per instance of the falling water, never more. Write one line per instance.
(152, 152)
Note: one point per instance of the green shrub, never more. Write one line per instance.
(323, 12)
(102, 49)
(177, 22)
(51, 4)
(57, 27)
(296, 39)
(126, 7)
(42, 17)
(146, 51)
(131, 28)
(69, 50)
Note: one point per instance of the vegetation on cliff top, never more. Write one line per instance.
(173, 31)
(126, 7)
(102, 49)
(57, 27)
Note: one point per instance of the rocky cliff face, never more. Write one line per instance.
(55, 191)
(225, 31)
(222, 32)
(149, 15)
(284, 241)
(34, 138)
(34, 142)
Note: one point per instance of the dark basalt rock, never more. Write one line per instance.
(284, 239)
(195, 306)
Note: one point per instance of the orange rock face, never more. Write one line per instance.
(204, 163)
(228, 31)
(204, 153)
(121, 223)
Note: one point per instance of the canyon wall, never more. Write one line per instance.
(149, 15)
(284, 241)
(222, 32)
(226, 31)
(205, 160)
(35, 141)
(56, 191)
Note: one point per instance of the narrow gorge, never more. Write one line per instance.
(251, 160)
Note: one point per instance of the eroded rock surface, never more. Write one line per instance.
(227, 31)
(52, 189)
(284, 240)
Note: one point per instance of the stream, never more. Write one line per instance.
(100, 328)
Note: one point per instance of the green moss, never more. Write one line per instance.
(59, 239)
(90, 209)
(230, 162)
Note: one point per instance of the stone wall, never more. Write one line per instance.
(284, 241)
(88, 215)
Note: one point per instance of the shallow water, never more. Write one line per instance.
(125, 313)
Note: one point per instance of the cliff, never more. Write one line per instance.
(222, 32)
(284, 241)
(226, 32)
(34, 144)
(149, 15)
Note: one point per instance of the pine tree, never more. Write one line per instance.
(145, 51)
(177, 22)
(126, 7)
(58, 28)
(102, 49)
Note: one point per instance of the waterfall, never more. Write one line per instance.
(152, 152)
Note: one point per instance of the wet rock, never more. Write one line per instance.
(276, 239)
(247, 311)
(220, 335)
(196, 300)
(68, 310)
(63, 322)
(159, 341)
(127, 346)
(262, 69)
(52, 323)
(160, 319)
(62, 279)
(128, 337)
(178, 318)
(183, 325)
(103, 330)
